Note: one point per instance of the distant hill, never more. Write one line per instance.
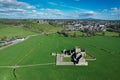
(90, 19)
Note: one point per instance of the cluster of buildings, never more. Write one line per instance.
(81, 26)
(77, 56)
(69, 24)
(42, 21)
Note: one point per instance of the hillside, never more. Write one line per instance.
(10, 31)
(42, 27)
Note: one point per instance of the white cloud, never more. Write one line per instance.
(52, 3)
(45, 13)
(34, 11)
(8, 10)
(15, 4)
(112, 13)
(85, 14)
(104, 10)
(52, 11)
(115, 9)
(21, 13)
(19, 9)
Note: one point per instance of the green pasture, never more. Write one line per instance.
(107, 33)
(38, 49)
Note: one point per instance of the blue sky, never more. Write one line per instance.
(60, 9)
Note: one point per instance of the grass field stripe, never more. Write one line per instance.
(31, 65)
(24, 56)
(35, 65)
(6, 66)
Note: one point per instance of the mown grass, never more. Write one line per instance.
(67, 59)
(37, 50)
(88, 57)
(6, 74)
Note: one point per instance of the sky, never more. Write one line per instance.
(60, 9)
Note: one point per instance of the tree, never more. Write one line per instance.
(119, 34)
(74, 35)
(103, 32)
(86, 30)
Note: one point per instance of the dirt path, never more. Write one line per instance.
(23, 66)
(9, 66)
(31, 65)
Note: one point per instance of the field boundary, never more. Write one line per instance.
(13, 43)
(32, 65)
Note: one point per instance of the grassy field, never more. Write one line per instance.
(108, 33)
(79, 34)
(12, 31)
(67, 59)
(37, 50)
